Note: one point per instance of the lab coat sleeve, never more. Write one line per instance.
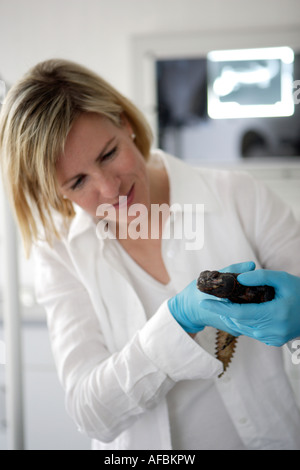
(106, 392)
(269, 224)
(274, 231)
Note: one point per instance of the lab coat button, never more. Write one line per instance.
(243, 420)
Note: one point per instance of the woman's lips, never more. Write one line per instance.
(125, 200)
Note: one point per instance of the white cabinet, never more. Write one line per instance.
(47, 425)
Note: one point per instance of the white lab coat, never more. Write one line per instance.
(116, 367)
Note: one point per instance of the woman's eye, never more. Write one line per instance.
(78, 183)
(110, 154)
(81, 179)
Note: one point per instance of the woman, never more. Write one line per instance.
(132, 337)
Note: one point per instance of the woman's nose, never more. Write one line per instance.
(108, 185)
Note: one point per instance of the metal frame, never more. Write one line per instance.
(12, 330)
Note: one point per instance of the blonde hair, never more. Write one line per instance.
(35, 120)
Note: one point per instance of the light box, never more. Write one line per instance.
(250, 83)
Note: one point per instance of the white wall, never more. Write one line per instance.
(98, 33)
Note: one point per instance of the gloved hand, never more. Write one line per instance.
(273, 323)
(186, 306)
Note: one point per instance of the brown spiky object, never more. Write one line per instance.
(226, 286)
(225, 348)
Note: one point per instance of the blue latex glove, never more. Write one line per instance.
(186, 306)
(273, 323)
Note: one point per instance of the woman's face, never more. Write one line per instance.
(100, 163)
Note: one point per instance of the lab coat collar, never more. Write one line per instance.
(80, 224)
(187, 186)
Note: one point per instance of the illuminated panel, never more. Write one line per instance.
(250, 83)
